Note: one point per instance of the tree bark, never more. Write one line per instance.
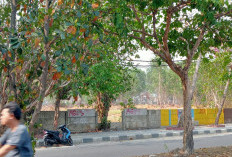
(44, 72)
(192, 89)
(188, 143)
(223, 100)
(12, 85)
(57, 110)
(159, 97)
(103, 107)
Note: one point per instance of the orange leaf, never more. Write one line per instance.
(98, 55)
(95, 18)
(18, 7)
(82, 58)
(41, 1)
(89, 57)
(56, 76)
(60, 2)
(80, 2)
(74, 59)
(28, 40)
(37, 41)
(82, 30)
(4, 56)
(72, 4)
(7, 23)
(72, 30)
(95, 5)
(5, 69)
(75, 98)
(20, 61)
(87, 38)
(50, 23)
(27, 75)
(28, 33)
(42, 64)
(25, 8)
(9, 54)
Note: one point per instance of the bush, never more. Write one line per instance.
(105, 124)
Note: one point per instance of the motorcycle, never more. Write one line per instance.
(55, 137)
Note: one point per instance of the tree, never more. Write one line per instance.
(47, 46)
(211, 80)
(106, 80)
(164, 82)
(138, 84)
(170, 28)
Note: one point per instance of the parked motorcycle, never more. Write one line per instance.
(56, 137)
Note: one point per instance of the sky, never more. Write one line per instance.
(145, 55)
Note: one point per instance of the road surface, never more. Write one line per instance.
(133, 148)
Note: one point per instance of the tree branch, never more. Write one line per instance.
(229, 13)
(146, 34)
(139, 21)
(193, 50)
(167, 29)
(154, 29)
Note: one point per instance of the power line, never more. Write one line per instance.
(152, 61)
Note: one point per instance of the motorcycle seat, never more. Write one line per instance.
(51, 131)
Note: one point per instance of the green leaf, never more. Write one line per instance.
(78, 14)
(43, 57)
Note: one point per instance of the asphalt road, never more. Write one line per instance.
(133, 148)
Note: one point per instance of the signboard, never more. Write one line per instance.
(81, 113)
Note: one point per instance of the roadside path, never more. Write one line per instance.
(97, 137)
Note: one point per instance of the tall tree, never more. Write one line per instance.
(172, 27)
(47, 46)
(165, 83)
(106, 80)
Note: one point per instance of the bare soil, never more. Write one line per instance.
(203, 152)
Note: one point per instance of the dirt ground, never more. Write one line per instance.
(203, 152)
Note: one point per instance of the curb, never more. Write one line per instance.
(76, 141)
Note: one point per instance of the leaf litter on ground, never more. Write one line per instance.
(202, 152)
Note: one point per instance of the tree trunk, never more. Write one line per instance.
(223, 100)
(44, 72)
(215, 99)
(106, 101)
(103, 107)
(191, 90)
(159, 97)
(188, 143)
(57, 110)
(12, 85)
(3, 95)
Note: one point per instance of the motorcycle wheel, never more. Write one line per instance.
(70, 141)
(47, 142)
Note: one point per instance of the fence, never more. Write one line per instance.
(86, 120)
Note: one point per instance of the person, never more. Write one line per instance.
(16, 141)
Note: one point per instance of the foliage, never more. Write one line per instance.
(138, 83)
(52, 43)
(213, 75)
(108, 77)
(173, 28)
(129, 104)
(104, 124)
(164, 83)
